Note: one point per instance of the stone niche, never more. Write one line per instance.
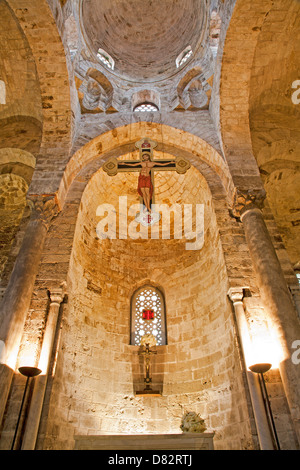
(98, 371)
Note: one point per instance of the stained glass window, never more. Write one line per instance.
(148, 315)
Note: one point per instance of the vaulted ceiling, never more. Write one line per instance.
(144, 37)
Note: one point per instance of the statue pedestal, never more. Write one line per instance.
(184, 441)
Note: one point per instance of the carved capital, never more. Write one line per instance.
(236, 294)
(246, 200)
(43, 207)
(57, 294)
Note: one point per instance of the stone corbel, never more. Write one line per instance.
(44, 208)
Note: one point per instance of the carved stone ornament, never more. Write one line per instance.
(247, 199)
(182, 165)
(146, 144)
(57, 293)
(236, 294)
(43, 207)
(111, 167)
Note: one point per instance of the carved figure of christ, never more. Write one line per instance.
(145, 185)
(146, 166)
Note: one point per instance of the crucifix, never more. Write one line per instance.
(147, 379)
(146, 166)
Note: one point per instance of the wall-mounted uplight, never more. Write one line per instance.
(29, 372)
(260, 369)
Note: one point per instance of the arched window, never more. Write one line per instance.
(146, 107)
(106, 59)
(184, 56)
(148, 315)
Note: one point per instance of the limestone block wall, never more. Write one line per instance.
(95, 271)
(18, 71)
(98, 371)
(13, 189)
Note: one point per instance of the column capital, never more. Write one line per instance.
(43, 207)
(236, 294)
(247, 199)
(57, 294)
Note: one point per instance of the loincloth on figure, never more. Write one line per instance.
(145, 182)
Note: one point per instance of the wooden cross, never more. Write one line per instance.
(146, 166)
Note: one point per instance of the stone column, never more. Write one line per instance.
(274, 293)
(37, 400)
(17, 297)
(263, 430)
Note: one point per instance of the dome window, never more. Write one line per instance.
(106, 59)
(146, 107)
(184, 56)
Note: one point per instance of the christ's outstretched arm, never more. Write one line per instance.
(162, 164)
(131, 164)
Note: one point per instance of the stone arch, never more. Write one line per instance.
(246, 21)
(121, 140)
(91, 157)
(38, 25)
(16, 170)
(258, 118)
(95, 92)
(274, 120)
(101, 278)
(67, 255)
(21, 112)
(21, 132)
(196, 78)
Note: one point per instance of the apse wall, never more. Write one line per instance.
(98, 371)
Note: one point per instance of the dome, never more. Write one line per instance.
(143, 37)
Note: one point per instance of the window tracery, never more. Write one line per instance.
(146, 107)
(148, 315)
(106, 59)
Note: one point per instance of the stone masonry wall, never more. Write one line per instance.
(97, 370)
